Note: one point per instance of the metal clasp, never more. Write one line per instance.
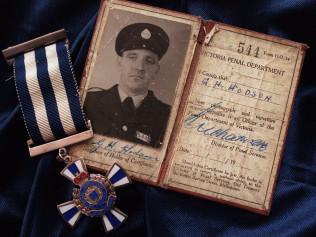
(54, 145)
(63, 155)
(25, 47)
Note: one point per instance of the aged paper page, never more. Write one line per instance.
(231, 136)
(136, 140)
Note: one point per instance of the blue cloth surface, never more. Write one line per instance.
(30, 189)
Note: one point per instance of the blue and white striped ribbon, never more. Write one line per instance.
(48, 93)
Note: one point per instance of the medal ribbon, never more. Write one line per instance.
(48, 93)
(50, 103)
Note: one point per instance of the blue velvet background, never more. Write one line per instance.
(30, 189)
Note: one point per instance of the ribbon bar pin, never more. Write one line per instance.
(48, 93)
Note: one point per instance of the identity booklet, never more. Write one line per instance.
(194, 106)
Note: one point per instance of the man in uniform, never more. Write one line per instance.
(129, 110)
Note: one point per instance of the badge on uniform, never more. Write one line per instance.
(143, 137)
(54, 118)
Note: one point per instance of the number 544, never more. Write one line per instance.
(248, 49)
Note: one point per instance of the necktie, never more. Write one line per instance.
(128, 107)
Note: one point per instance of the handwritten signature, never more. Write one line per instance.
(200, 126)
(117, 147)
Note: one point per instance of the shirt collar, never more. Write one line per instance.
(137, 99)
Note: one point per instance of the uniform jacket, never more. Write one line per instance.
(147, 126)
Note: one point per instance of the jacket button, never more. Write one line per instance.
(124, 128)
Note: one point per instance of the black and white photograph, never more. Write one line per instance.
(132, 88)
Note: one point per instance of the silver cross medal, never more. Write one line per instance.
(95, 195)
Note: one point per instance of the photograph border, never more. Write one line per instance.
(195, 23)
